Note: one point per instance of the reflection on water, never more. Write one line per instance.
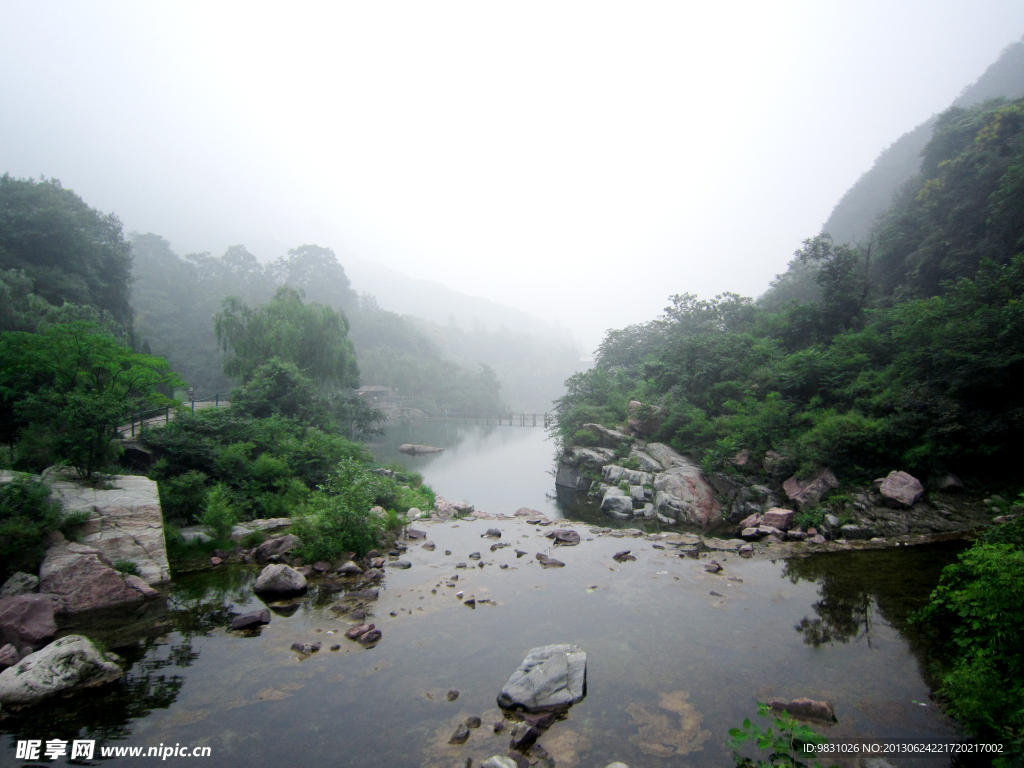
(676, 657)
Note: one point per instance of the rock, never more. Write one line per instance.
(452, 695)
(194, 533)
(428, 545)
(215, 561)
(493, 533)
(461, 735)
(681, 492)
(524, 512)
(81, 579)
(549, 562)
(772, 539)
(353, 633)
(645, 462)
(713, 567)
(750, 534)
(280, 579)
(746, 550)
(806, 709)
(778, 518)
(26, 620)
(948, 483)
(819, 539)
(616, 765)
(321, 566)
(795, 536)
(623, 556)
(809, 492)
(370, 638)
(125, 522)
(613, 474)
(251, 619)
(524, 737)
(444, 509)
(373, 575)
(415, 450)
(499, 761)
(282, 545)
(8, 656)
(610, 438)
(349, 568)
(20, 583)
(771, 461)
(551, 678)
(568, 538)
(856, 532)
(767, 530)
(415, 535)
(643, 419)
(617, 504)
(723, 545)
(401, 564)
(900, 489)
(743, 459)
(62, 667)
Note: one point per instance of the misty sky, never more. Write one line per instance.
(581, 161)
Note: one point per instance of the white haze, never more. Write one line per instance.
(579, 161)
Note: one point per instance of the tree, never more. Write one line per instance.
(72, 252)
(312, 336)
(77, 383)
(315, 270)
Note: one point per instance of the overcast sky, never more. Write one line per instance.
(581, 161)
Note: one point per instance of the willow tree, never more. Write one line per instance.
(312, 336)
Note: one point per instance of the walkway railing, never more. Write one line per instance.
(164, 415)
(512, 420)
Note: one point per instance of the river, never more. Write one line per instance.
(676, 656)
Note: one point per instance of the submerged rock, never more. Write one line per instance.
(251, 619)
(551, 678)
(414, 450)
(62, 667)
(549, 562)
(806, 709)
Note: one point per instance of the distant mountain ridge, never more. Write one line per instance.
(856, 212)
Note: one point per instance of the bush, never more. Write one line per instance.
(126, 568)
(329, 528)
(27, 515)
(182, 497)
(977, 615)
(219, 515)
(785, 738)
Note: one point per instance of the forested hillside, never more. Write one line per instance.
(858, 211)
(911, 356)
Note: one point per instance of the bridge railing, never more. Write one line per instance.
(154, 415)
(513, 419)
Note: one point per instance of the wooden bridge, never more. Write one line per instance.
(512, 420)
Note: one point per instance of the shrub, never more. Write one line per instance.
(182, 497)
(785, 738)
(329, 528)
(219, 515)
(27, 515)
(253, 539)
(126, 568)
(977, 615)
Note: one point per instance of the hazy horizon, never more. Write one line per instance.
(579, 163)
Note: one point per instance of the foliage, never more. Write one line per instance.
(78, 384)
(785, 738)
(126, 567)
(907, 355)
(269, 465)
(27, 515)
(72, 253)
(277, 388)
(219, 516)
(977, 616)
(312, 336)
(182, 496)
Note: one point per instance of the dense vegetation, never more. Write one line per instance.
(977, 616)
(908, 358)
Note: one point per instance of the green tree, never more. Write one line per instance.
(312, 336)
(77, 383)
(72, 252)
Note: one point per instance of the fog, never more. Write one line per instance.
(577, 161)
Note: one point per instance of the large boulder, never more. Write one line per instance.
(614, 474)
(20, 583)
(444, 509)
(572, 477)
(810, 491)
(778, 518)
(278, 546)
(610, 438)
(617, 504)
(900, 489)
(280, 579)
(82, 579)
(681, 492)
(62, 667)
(645, 462)
(125, 521)
(551, 678)
(643, 419)
(26, 620)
